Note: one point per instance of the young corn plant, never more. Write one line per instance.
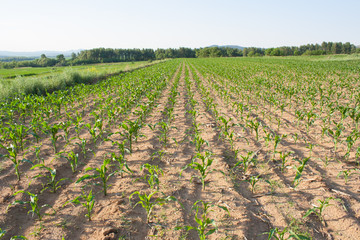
(310, 119)
(199, 142)
(268, 137)
(20, 133)
(101, 172)
(9, 133)
(336, 134)
(82, 146)
(202, 167)
(93, 132)
(255, 125)
(37, 153)
(319, 210)
(205, 225)
(225, 126)
(35, 208)
(310, 147)
(350, 141)
(52, 183)
(122, 147)
(164, 132)
(77, 122)
(35, 127)
(230, 135)
(346, 174)
(159, 155)
(300, 115)
(246, 161)
(123, 166)
(12, 155)
(277, 139)
(253, 180)
(299, 170)
(2, 233)
(131, 131)
(53, 130)
(86, 200)
(285, 234)
(148, 202)
(357, 156)
(152, 177)
(73, 159)
(65, 126)
(284, 160)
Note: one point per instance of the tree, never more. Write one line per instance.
(73, 56)
(61, 61)
(336, 48)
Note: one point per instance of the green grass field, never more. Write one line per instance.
(42, 80)
(36, 71)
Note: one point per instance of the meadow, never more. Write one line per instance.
(39, 80)
(208, 148)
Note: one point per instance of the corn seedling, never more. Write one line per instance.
(199, 142)
(152, 177)
(123, 166)
(254, 125)
(148, 202)
(283, 156)
(268, 137)
(82, 146)
(65, 126)
(53, 130)
(202, 167)
(246, 160)
(346, 174)
(357, 155)
(164, 132)
(225, 127)
(350, 140)
(336, 134)
(253, 181)
(73, 159)
(101, 172)
(37, 153)
(93, 132)
(318, 210)
(2, 233)
(52, 183)
(87, 200)
(299, 171)
(12, 155)
(285, 234)
(310, 119)
(20, 133)
(35, 208)
(277, 139)
(205, 225)
(310, 147)
(159, 155)
(131, 132)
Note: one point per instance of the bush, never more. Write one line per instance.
(41, 85)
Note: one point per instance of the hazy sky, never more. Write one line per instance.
(29, 25)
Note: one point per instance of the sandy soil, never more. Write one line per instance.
(273, 203)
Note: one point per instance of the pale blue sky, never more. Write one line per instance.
(29, 25)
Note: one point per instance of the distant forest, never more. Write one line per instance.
(106, 55)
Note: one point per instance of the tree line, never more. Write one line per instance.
(106, 55)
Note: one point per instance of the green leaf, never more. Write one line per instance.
(87, 176)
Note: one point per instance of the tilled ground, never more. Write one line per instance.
(252, 213)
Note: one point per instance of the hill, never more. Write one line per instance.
(228, 46)
(37, 53)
